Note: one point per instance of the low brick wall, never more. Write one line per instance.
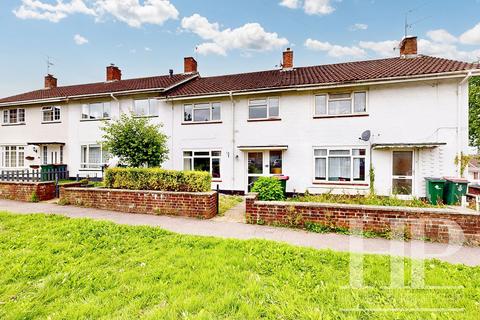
(188, 204)
(440, 225)
(24, 191)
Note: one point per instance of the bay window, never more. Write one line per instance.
(208, 161)
(340, 164)
(12, 156)
(96, 111)
(340, 104)
(50, 114)
(145, 108)
(263, 108)
(202, 112)
(93, 157)
(14, 116)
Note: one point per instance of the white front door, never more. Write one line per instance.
(402, 173)
(263, 163)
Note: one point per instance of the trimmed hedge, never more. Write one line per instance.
(157, 179)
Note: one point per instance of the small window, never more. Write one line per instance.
(264, 108)
(14, 116)
(93, 157)
(96, 111)
(202, 112)
(340, 103)
(208, 161)
(340, 165)
(51, 114)
(145, 108)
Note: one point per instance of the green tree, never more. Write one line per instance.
(474, 111)
(135, 141)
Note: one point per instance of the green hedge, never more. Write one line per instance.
(157, 179)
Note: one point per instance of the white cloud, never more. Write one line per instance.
(35, 9)
(334, 50)
(441, 36)
(250, 37)
(471, 36)
(311, 7)
(148, 49)
(131, 12)
(381, 48)
(446, 50)
(359, 26)
(79, 39)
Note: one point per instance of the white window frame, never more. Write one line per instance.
(88, 105)
(267, 105)
(6, 116)
(210, 156)
(328, 99)
(352, 157)
(86, 165)
(202, 106)
(152, 108)
(19, 156)
(53, 110)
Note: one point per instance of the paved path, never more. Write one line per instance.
(416, 249)
(235, 214)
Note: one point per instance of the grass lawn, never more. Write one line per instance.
(372, 200)
(53, 267)
(228, 202)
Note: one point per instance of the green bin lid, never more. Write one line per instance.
(435, 179)
(456, 180)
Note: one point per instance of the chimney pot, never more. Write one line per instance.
(287, 59)
(408, 47)
(190, 65)
(114, 73)
(50, 81)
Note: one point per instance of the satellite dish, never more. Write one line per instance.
(366, 135)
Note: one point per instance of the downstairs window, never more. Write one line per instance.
(208, 161)
(340, 165)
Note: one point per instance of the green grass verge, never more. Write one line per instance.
(228, 202)
(372, 200)
(53, 267)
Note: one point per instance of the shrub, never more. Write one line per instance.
(157, 179)
(33, 197)
(268, 189)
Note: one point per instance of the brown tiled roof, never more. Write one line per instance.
(159, 82)
(324, 74)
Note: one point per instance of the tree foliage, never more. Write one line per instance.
(474, 111)
(135, 142)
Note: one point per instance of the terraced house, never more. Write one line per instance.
(328, 127)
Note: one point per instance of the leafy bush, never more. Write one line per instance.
(33, 197)
(268, 189)
(157, 179)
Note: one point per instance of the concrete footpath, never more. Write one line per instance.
(228, 229)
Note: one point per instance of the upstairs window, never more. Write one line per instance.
(96, 111)
(208, 161)
(340, 104)
(145, 108)
(339, 165)
(263, 108)
(14, 116)
(51, 114)
(202, 112)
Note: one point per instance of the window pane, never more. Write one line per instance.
(153, 111)
(106, 110)
(216, 153)
(85, 111)
(216, 111)
(258, 102)
(358, 152)
(96, 111)
(402, 163)
(359, 169)
(201, 153)
(339, 107)
(340, 96)
(47, 114)
(275, 162)
(321, 169)
(5, 116)
(21, 115)
(56, 113)
(255, 162)
(360, 102)
(94, 155)
(187, 153)
(84, 156)
(402, 186)
(201, 164)
(216, 168)
(257, 112)
(320, 152)
(13, 115)
(13, 157)
(339, 168)
(187, 112)
(187, 164)
(273, 107)
(201, 114)
(320, 105)
(339, 152)
(141, 107)
(21, 157)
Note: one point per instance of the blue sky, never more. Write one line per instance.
(148, 37)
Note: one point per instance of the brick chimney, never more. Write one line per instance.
(408, 47)
(287, 63)
(190, 65)
(114, 73)
(50, 81)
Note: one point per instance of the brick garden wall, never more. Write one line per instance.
(417, 223)
(23, 191)
(188, 204)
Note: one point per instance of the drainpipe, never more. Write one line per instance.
(118, 103)
(171, 137)
(459, 112)
(233, 139)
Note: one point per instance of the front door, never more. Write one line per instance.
(402, 173)
(263, 163)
